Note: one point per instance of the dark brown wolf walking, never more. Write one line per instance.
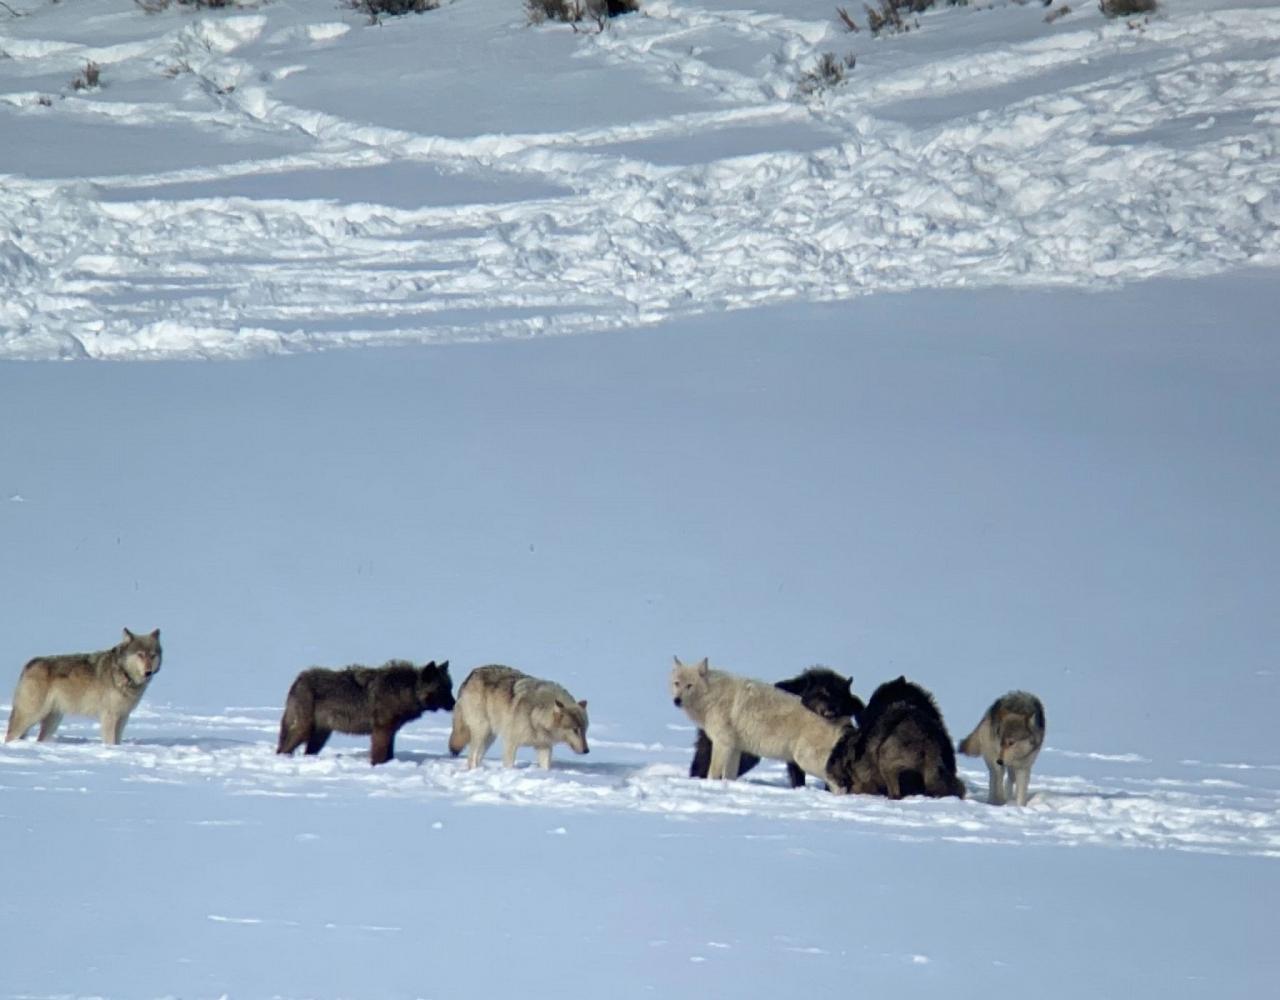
(375, 701)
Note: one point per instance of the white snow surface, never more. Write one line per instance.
(281, 177)
(1062, 491)
(1048, 460)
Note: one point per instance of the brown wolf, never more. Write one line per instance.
(901, 748)
(1009, 739)
(363, 700)
(820, 690)
(525, 711)
(108, 684)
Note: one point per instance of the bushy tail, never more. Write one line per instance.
(461, 734)
(970, 746)
(299, 706)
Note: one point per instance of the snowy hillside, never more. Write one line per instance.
(285, 176)
(965, 369)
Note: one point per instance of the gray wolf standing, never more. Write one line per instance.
(1009, 739)
(525, 711)
(901, 748)
(375, 701)
(108, 684)
(820, 690)
(743, 715)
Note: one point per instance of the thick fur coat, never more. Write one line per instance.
(497, 701)
(1008, 738)
(107, 684)
(820, 690)
(373, 701)
(902, 747)
(741, 715)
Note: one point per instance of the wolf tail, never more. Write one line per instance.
(460, 736)
(970, 746)
(299, 706)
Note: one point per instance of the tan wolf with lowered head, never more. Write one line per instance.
(108, 684)
(740, 715)
(525, 711)
(1009, 739)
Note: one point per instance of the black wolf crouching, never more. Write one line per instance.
(374, 701)
(823, 691)
(901, 747)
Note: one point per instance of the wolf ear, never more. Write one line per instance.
(849, 685)
(155, 633)
(677, 661)
(582, 705)
(444, 667)
(129, 636)
(703, 666)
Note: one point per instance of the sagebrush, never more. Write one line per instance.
(88, 78)
(1126, 8)
(574, 11)
(376, 10)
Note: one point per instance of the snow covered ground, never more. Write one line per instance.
(1048, 459)
(285, 176)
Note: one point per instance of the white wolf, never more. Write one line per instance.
(1009, 739)
(739, 714)
(108, 684)
(525, 711)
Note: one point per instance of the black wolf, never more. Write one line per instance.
(821, 690)
(363, 700)
(900, 747)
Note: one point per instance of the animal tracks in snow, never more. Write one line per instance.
(238, 201)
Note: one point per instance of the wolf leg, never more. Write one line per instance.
(544, 758)
(795, 773)
(893, 788)
(1008, 783)
(1022, 781)
(509, 748)
(701, 762)
(316, 739)
(382, 745)
(720, 750)
(111, 727)
(481, 741)
(995, 784)
(49, 725)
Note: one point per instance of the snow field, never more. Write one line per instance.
(176, 211)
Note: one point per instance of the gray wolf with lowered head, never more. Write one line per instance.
(525, 711)
(108, 684)
(1009, 739)
(901, 747)
(375, 701)
(741, 715)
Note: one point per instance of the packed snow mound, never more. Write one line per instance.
(247, 182)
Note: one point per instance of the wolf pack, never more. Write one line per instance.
(895, 744)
